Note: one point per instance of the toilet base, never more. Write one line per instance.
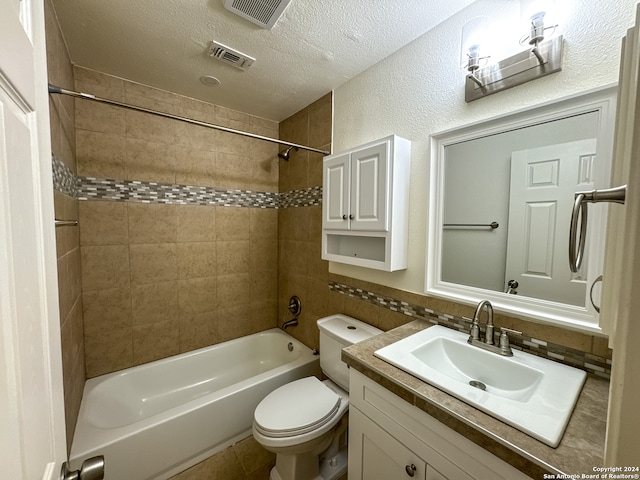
(336, 467)
(330, 469)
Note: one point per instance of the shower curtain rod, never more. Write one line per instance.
(63, 91)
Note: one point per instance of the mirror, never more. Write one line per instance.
(501, 197)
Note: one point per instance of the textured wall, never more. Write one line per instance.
(419, 91)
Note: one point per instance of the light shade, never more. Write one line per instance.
(537, 15)
(476, 40)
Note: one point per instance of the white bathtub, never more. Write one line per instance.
(155, 420)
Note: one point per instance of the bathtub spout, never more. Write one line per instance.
(291, 323)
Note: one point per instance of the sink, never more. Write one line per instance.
(530, 393)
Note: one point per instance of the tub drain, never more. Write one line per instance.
(477, 384)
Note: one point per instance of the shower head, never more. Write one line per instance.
(285, 155)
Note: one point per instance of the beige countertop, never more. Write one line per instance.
(580, 450)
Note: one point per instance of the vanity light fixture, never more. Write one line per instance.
(474, 46)
(543, 58)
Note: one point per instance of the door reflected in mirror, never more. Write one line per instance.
(523, 180)
(501, 199)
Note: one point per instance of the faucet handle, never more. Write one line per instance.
(474, 332)
(505, 330)
(505, 346)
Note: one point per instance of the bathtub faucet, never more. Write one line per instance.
(291, 323)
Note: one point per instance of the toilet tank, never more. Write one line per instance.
(337, 332)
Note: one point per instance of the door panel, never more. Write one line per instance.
(336, 193)
(369, 188)
(31, 398)
(379, 456)
(539, 209)
(620, 288)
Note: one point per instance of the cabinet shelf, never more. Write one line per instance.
(361, 250)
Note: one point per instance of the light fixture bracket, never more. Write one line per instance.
(515, 70)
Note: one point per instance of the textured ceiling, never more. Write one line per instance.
(314, 47)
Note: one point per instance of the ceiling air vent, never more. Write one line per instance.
(261, 12)
(229, 55)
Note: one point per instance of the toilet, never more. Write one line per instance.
(304, 422)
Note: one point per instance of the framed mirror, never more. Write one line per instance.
(501, 196)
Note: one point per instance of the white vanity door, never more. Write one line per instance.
(375, 455)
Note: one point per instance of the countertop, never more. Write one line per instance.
(580, 450)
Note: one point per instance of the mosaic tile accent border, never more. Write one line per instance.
(64, 180)
(301, 198)
(90, 188)
(593, 364)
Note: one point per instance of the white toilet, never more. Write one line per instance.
(303, 422)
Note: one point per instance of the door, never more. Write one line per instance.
(538, 212)
(370, 170)
(335, 201)
(32, 432)
(621, 282)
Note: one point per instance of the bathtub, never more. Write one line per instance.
(157, 419)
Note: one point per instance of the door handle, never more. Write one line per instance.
(91, 469)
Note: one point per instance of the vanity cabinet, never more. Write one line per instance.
(389, 438)
(365, 200)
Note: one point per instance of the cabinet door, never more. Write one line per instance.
(433, 474)
(375, 455)
(335, 193)
(369, 187)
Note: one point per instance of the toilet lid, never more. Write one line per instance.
(296, 408)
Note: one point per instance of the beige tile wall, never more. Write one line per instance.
(67, 243)
(301, 271)
(159, 279)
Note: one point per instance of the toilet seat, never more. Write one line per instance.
(297, 408)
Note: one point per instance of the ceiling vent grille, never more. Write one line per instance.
(229, 55)
(261, 12)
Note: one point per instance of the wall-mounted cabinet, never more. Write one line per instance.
(365, 197)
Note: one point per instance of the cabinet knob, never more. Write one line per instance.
(410, 469)
(350, 217)
(344, 217)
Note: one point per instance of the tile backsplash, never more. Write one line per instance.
(597, 365)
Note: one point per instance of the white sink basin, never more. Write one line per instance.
(530, 393)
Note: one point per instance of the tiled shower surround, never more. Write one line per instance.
(168, 263)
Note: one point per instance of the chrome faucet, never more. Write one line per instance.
(503, 348)
(294, 307)
(290, 323)
(475, 327)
